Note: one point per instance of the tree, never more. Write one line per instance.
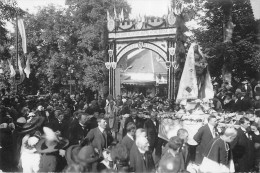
(60, 40)
(240, 54)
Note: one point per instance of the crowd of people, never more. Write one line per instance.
(59, 132)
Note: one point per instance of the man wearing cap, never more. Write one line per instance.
(218, 155)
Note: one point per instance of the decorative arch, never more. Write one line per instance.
(140, 45)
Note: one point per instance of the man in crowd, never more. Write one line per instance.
(171, 161)
(133, 118)
(141, 159)
(128, 139)
(204, 135)
(151, 125)
(184, 150)
(79, 130)
(218, 155)
(243, 147)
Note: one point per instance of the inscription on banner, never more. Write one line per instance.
(142, 33)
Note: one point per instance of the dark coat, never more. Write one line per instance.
(152, 132)
(138, 164)
(48, 163)
(243, 152)
(202, 137)
(77, 133)
(97, 139)
(237, 106)
(128, 142)
(246, 104)
(62, 126)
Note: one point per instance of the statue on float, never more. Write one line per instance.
(195, 81)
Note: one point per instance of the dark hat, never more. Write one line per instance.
(76, 154)
(26, 127)
(51, 142)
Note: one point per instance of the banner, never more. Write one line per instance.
(188, 88)
(12, 74)
(27, 69)
(23, 34)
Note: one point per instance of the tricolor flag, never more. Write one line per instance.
(23, 34)
(12, 74)
(27, 69)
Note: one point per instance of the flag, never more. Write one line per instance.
(207, 88)
(178, 7)
(122, 18)
(12, 74)
(20, 66)
(23, 34)
(108, 16)
(27, 69)
(115, 15)
(188, 88)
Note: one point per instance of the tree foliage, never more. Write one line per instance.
(70, 43)
(240, 55)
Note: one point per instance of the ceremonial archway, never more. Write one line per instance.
(154, 34)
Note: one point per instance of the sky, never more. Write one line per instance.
(142, 7)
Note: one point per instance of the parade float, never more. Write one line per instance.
(195, 96)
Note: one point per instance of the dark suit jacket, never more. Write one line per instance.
(243, 152)
(128, 142)
(152, 132)
(138, 164)
(246, 104)
(237, 106)
(202, 137)
(77, 133)
(97, 139)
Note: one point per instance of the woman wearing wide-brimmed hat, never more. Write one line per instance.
(49, 146)
(84, 156)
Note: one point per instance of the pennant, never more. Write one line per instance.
(122, 18)
(115, 15)
(12, 74)
(20, 66)
(207, 89)
(27, 69)
(188, 88)
(23, 34)
(108, 16)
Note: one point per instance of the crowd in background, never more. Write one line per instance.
(59, 132)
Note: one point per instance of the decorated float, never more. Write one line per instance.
(195, 96)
